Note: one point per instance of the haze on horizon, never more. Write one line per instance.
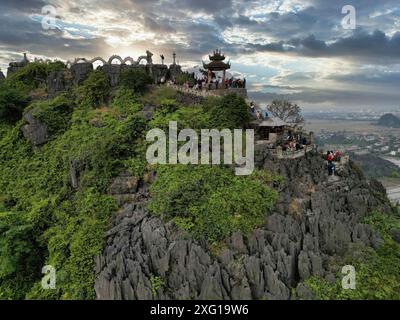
(294, 49)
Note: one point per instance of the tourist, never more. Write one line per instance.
(252, 108)
(331, 166)
(337, 156)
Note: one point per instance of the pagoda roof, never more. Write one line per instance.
(217, 56)
(216, 65)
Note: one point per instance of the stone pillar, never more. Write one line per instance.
(223, 78)
(174, 58)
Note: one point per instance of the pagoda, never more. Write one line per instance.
(216, 64)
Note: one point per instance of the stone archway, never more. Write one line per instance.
(96, 64)
(113, 57)
(129, 59)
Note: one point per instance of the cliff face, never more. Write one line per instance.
(315, 220)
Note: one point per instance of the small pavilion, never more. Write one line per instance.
(216, 64)
(270, 130)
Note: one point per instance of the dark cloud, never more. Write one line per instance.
(209, 6)
(22, 5)
(193, 28)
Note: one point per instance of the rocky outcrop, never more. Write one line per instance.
(124, 188)
(315, 220)
(35, 131)
(2, 77)
(80, 72)
(58, 81)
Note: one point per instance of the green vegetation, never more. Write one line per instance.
(95, 90)
(184, 77)
(136, 80)
(12, 102)
(156, 283)
(56, 113)
(33, 75)
(230, 112)
(44, 220)
(377, 272)
(211, 202)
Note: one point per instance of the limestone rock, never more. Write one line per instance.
(269, 263)
(35, 131)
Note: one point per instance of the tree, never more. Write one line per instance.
(286, 110)
(12, 102)
(136, 80)
(95, 89)
(229, 111)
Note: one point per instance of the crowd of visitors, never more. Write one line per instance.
(217, 83)
(294, 142)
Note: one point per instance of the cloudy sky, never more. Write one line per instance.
(296, 49)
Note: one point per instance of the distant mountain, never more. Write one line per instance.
(374, 166)
(389, 120)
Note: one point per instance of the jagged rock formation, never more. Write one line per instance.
(35, 131)
(315, 220)
(58, 81)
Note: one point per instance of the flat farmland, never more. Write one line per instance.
(317, 126)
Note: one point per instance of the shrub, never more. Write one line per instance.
(230, 111)
(213, 201)
(55, 113)
(12, 102)
(126, 101)
(136, 80)
(183, 77)
(95, 90)
(33, 75)
(60, 226)
(19, 254)
(157, 95)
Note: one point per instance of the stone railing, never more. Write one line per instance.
(212, 92)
